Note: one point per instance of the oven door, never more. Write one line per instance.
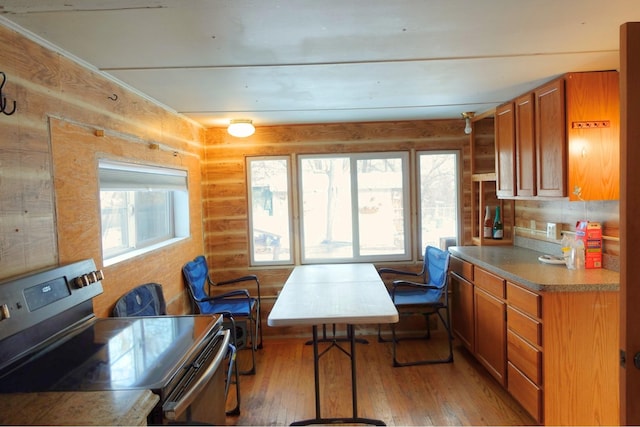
(199, 396)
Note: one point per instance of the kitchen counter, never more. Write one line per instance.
(521, 265)
(77, 408)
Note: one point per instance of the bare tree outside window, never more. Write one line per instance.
(352, 207)
(438, 197)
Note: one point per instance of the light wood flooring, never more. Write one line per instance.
(459, 393)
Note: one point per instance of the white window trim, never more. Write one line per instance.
(407, 195)
(290, 191)
(122, 176)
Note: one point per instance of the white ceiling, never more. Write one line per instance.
(319, 61)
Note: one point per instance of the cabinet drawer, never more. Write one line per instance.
(527, 393)
(525, 357)
(489, 282)
(461, 268)
(524, 326)
(525, 300)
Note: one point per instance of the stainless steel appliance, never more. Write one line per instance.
(50, 340)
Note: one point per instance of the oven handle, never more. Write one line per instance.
(172, 410)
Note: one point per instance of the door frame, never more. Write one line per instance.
(629, 226)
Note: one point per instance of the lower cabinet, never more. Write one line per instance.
(555, 352)
(490, 333)
(525, 391)
(524, 348)
(461, 277)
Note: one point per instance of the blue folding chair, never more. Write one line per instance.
(143, 300)
(238, 302)
(427, 294)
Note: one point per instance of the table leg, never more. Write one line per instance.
(354, 387)
(316, 369)
(325, 338)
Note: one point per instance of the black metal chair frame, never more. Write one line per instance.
(254, 323)
(420, 309)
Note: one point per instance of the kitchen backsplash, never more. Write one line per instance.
(609, 262)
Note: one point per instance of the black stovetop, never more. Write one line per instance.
(114, 354)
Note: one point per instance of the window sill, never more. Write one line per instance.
(132, 254)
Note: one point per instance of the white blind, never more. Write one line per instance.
(118, 176)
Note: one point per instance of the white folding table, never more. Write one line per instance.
(329, 294)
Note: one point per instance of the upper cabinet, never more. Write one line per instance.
(593, 123)
(525, 145)
(561, 139)
(505, 124)
(550, 140)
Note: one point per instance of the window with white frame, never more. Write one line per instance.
(439, 189)
(354, 207)
(142, 208)
(269, 210)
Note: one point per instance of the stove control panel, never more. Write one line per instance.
(28, 300)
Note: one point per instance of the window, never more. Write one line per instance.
(142, 208)
(354, 207)
(439, 197)
(269, 210)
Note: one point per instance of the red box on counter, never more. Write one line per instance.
(591, 235)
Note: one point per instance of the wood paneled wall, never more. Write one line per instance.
(566, 214)
(61, 105)
(225, 187)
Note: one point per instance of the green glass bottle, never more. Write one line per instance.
(498, 230)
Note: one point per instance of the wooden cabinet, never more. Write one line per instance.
(524, 348)
(551, 152)
(461, 282)
(593, 130)
(531, 144)
(562, 139)
(484, 185)
(490, 326)
(525, 146)
(483, 193)
(555, 352)
(505, 150)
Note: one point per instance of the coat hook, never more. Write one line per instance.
(113, 98)
(3, 99)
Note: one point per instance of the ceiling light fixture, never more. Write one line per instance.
(467, 116)
(241, 128)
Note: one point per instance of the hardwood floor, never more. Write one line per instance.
(459, 393)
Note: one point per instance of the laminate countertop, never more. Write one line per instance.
(77, 408)
(521, 265)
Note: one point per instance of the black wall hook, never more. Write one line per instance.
(3, 99)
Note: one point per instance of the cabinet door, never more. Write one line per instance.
(462, 310)
(525, 146)
(551, 137)
(490, 329)
(505, 150)
(593, 117)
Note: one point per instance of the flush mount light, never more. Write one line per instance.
(467, 116)
(241, 128)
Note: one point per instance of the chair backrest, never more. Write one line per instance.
(143, 300)
(437, 265)
(196, 274)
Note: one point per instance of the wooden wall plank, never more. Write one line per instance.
(34, 233)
